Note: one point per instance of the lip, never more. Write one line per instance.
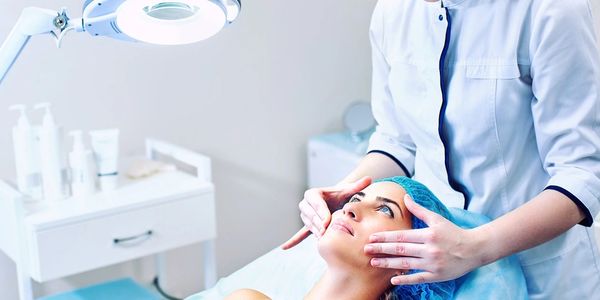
(342, 226)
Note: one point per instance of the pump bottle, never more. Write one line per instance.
(81, 161)
(51, 156)
(26, 155)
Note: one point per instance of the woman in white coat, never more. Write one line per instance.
(495, 106)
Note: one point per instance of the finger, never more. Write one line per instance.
(318, 226)
(318, 204)
(421, 212)
(396, 249)
(399, 263)
(419, 236)
(302, 234)
(348, 189)
(308, 223)
(326, 223)
(312, 218)
(358, 186)
(416, 278)
(332, 189)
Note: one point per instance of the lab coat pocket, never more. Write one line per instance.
(505, 90)
(510, 71)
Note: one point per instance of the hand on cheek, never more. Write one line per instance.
(441, 251)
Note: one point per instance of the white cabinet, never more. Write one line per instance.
(332, 156)
(140, 218)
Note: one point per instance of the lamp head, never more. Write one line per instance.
(162, 22)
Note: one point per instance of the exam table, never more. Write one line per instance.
(291, 274)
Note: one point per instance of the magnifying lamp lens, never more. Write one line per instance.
(170, 11)
(171, 22)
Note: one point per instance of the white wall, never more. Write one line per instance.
(249, 98)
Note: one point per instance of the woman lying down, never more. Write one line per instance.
(349, 274)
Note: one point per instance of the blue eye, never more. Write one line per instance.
(386, 210)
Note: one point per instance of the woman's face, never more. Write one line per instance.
(379, 207)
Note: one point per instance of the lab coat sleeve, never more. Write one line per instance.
(389, 137)
(565, 72)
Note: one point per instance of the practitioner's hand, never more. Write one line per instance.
(317, 205)
(443, 251)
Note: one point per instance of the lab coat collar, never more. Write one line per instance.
(452, 3)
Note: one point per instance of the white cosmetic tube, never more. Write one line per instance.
(105, 144)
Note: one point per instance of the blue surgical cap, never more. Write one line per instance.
(424, 197)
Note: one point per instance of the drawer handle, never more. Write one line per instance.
(133, 240)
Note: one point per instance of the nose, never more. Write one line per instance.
(350, 209)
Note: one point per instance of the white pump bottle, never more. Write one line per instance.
(26, 155)
(81, 161)
(52, 156)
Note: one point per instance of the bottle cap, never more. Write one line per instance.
(48, 117)
(23, 121)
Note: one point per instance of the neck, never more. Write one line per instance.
(341, 284)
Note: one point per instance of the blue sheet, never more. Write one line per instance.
(502, 279)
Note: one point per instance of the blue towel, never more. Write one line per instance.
(121, 289)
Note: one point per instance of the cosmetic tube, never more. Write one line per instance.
(105, 144)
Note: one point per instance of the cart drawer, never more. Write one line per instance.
(72, 248)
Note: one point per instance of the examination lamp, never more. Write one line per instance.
(160, 22)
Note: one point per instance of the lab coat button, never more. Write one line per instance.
(441, 18)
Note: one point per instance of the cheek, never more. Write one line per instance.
(380, 225)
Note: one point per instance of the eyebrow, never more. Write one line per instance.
(383, 199)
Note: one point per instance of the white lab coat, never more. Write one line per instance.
(513, 109)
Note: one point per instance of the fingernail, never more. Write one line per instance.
(375, 262)
(395, 281)
(369, 248)
(407, 198)
(374, 238)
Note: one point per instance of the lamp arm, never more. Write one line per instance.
(33, 21)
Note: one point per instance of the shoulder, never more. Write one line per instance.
(247, 294)
(562, 22)
(394, 7)
(561, 10)
(393, 13)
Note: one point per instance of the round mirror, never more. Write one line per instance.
(358, 119)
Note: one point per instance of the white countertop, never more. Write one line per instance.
(130, 194)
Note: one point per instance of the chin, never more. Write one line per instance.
(340, 249)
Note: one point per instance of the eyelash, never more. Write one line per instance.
(389, 213)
